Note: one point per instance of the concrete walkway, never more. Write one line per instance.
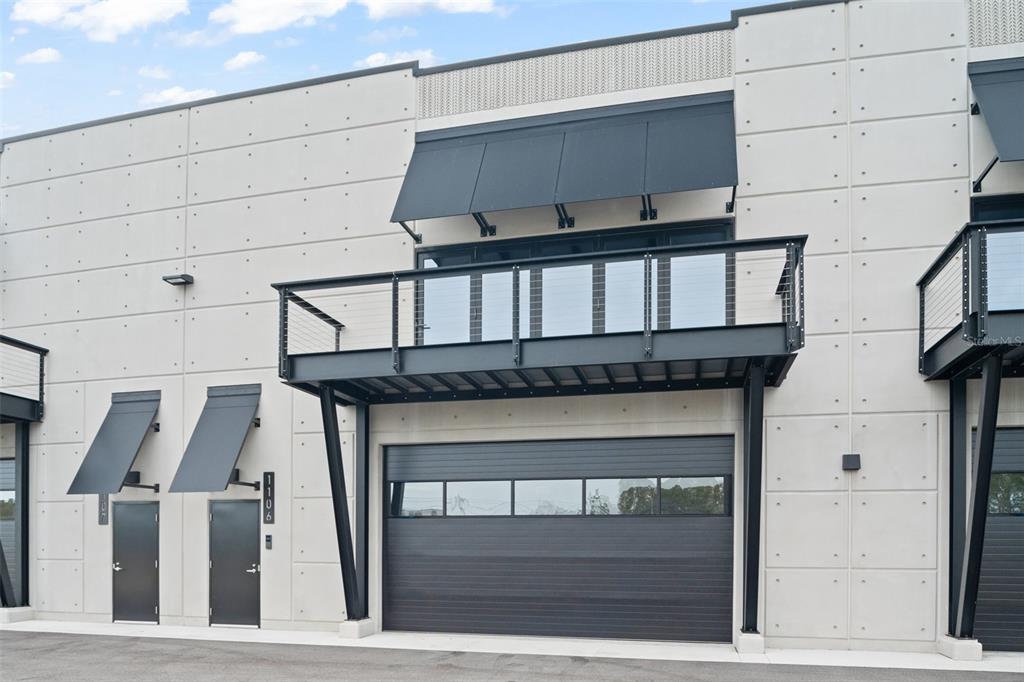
(55, 656)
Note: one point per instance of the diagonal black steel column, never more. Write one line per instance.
(361, 488)
(339, 496)
(753, 445)
(957, 491)
(21, 511)
(977, 513)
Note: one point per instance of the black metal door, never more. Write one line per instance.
(235, 562)
(136, 567)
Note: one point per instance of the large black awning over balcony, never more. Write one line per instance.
(631, 150)
(656, 319)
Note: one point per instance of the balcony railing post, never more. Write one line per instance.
(42, 404)
(648, 339)
(981, 282)
(965, 285)
(801, 327)
(920, 327)
(515, 315)
(395, 359)
(282, 334)
(791, 304)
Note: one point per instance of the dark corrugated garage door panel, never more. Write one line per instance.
(637, 577)
(999, 619)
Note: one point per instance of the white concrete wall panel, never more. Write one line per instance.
(303, 111)
(195, 556)
(898, 451)
(883, 26)
(231, 338)
(818, 383)
(65, 410)
(894, 529)
(58, 530)
(371, 153)
(904, 150)
(805, 454)
(908, 215)
(887, 380)
(802, 36)
(806, 530)
(898, 605)
(171, 539)
(97, 562)
(790, 98)
(909, 84)
(101, 194)
(823, 216)
(108, 292)
(806, 603)
(112, 242)
(309, 464)
(827, 305)
(314, 540)
(884, 295)
(131, 141)
(53, 468)
(315, 215)
(816, 158)
(58, 586)
(317, 593)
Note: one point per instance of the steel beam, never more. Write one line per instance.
(957, 491)
(977, 512)
(339, 497)
(753, 445)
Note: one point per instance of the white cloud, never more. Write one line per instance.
(113, 93)
(383, 9)
(243, 60)
(261, 16)
(6, 79)
(101, 20)
(20, 31)
(44, 55)
(157, 72)
(385, 35)
(425, 58)
(175, 95)
(288, 41)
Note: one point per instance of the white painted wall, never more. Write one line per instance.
(852, 128)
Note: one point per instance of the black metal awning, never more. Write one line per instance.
(217, 441)
(113, 451)
(999, 89)
(632, 150)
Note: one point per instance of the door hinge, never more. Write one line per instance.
(156, 563)
(211, 610)
(211, 563)
(211, 517)
(156, 610)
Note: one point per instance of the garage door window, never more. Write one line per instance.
(705, 495)
(633, 496)
(479, 498)
(417, 499)
(549, 498)
(1006, 493)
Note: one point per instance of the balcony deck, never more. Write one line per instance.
(758, 284)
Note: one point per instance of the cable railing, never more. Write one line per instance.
(21, 369)
(721, 284)
(981, 271)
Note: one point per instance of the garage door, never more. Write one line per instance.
(999, 619)
(588, 538)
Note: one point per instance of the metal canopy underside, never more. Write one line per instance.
(217, 441)
(613, 363)
(671, 145)
(999, 88)
(113, 451)
(955, 356)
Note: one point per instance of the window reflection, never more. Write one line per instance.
(479, 498)
(549, 498)
(8, 534)
(1006, 493)
(417, 498)
(1005, 279)
(621, 496)
(705, 495)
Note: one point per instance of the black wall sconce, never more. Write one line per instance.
(178, 280)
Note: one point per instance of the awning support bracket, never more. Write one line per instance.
(730, 206)
(236, 480)
(648, 212)
(564, 219)
(975, 109)
(486, 228)
(976, 188)
(133, 480)
(416, 236)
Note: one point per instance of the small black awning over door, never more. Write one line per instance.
(669, 145)
(999, 89)
(217, 441)
(113, 451)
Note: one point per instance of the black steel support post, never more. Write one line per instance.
(957, 491)
(977, 512)
(753, 446)
(361, 487)
(339, 496)
(7, 596)
(21, 510)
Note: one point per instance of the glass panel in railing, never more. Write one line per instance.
(445, 315)
(1005, 270)
(698, 291)
(496, 305)
(624, 296)
(567, 300)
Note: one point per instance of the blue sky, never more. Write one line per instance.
(66, 61)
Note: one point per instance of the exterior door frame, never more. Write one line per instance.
(259, 563)
(113, 551)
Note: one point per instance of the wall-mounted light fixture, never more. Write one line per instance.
(180, 279)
